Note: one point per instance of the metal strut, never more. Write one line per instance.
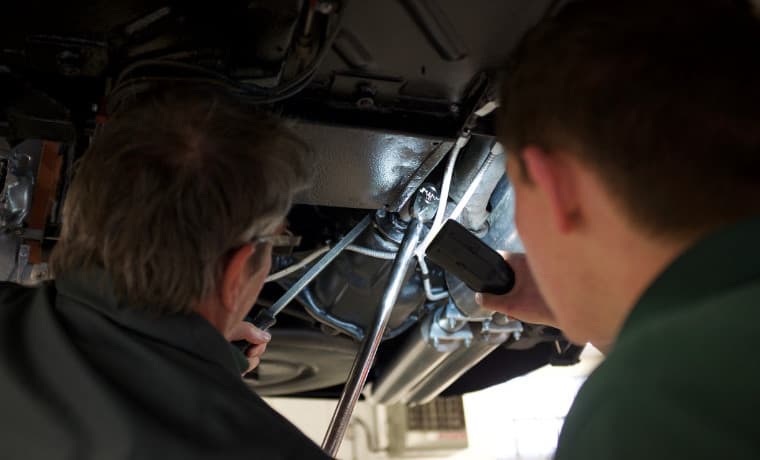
(266, 318)
(366, 356)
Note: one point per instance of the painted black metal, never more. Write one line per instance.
(438, 29)
(350, 287)
(368, 169)
(30, 113)
(433, 53)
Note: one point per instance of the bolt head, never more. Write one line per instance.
(425, 203)
(365, 102)
(325, 6)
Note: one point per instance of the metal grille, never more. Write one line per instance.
(442, 414)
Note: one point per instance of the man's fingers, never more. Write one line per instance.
(256, 337)
(253, 363)
(250, 333)
(257, 350)
(492, 302)
(254, 353)
(254, 356)
(525, 301)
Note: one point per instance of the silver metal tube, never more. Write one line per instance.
(366, 356)
(287, 271)
(417, 359)
(457, 364)
(369, 252)
(315, 311)
(415, 363)
(479, 206)
(317, 268)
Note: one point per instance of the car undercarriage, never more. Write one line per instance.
(396, 99)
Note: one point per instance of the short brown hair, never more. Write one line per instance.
(170, 185)
(660, 97)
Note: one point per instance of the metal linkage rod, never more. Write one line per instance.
(366, 356)
(266, 318)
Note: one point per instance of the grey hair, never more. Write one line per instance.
(170, 186)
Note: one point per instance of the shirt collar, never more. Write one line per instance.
(189, 332)
(721, 261)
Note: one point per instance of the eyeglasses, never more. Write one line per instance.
(282, 243)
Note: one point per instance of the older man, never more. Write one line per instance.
(168, 230)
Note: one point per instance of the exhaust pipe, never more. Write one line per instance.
(441, 351)
(488, 338)
(423, 352)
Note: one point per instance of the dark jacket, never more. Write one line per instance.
(84, 377)
(683, 379)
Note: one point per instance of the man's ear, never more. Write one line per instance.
(235, 275)
(555, 177)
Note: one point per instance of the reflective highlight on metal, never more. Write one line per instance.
(366, 356)
(489, 336)
(320, 314)
(423, 352)
(377, 168)
(17, 174)
(315, 270)
(425, 202)
(477, 207)
(448, 345)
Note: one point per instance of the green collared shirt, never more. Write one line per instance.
(683, 379)
(83, 376)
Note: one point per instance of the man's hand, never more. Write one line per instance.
(256, 337)
(524, 302)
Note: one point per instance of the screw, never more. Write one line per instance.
(425, 203)
(365, 102)
(325, 6)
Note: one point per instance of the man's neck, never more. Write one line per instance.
(625, 272)
(214, 314)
